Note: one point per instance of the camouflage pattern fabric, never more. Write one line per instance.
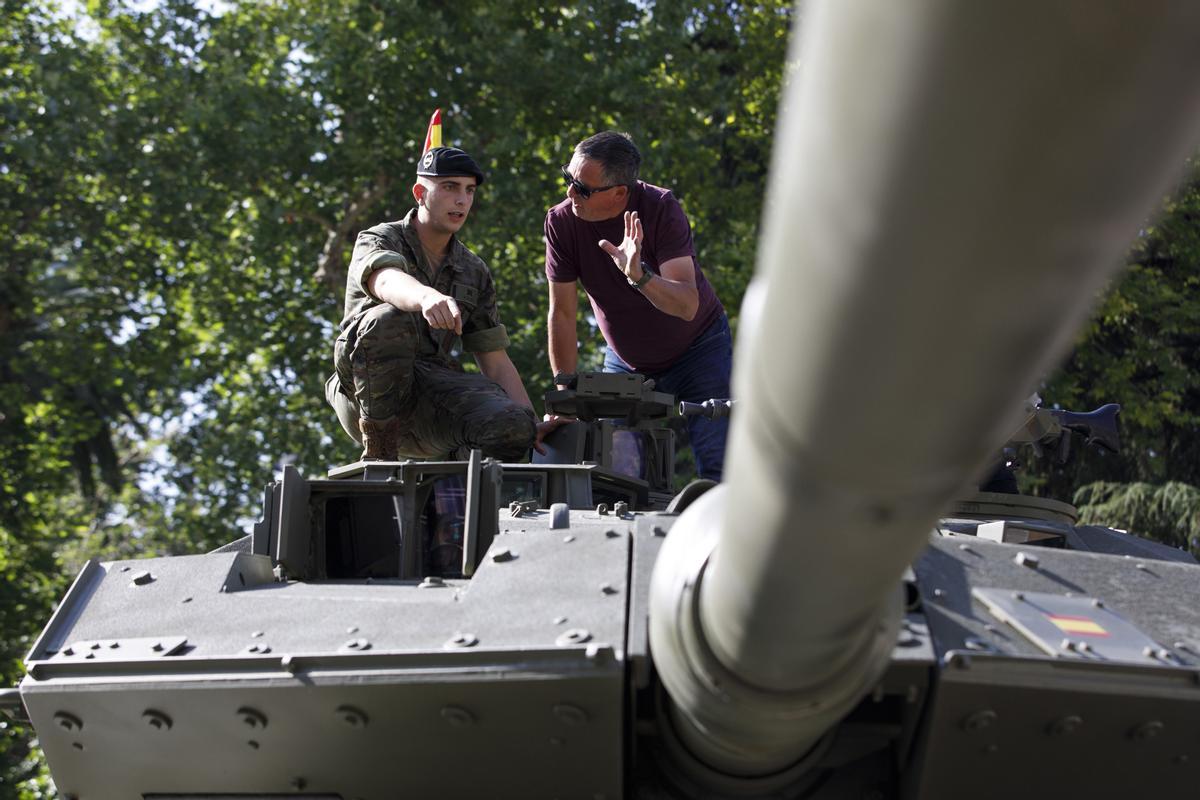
(444, 409)
(391, 363)
(462, 275)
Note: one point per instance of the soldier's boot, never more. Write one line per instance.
(381, 438)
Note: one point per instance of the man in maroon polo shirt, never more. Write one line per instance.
(657, 311)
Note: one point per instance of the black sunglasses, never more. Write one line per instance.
(584, 191)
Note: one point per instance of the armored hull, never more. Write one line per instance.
(1024, 641)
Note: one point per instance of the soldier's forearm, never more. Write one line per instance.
(396, 287)
(498, 367)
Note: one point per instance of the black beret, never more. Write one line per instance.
(445, 162)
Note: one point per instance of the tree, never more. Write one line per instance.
(1169, 513)
(180, 192)
(1140, 350)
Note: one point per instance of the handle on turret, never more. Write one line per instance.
(1098, 427)
(711, 409)
(1048, 428)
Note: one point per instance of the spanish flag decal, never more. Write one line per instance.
(433, 137)
(1080, 626)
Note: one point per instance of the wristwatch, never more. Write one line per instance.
(642, 281)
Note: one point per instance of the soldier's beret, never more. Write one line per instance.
(445, 162)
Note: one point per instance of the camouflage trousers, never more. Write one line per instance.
(380, 373)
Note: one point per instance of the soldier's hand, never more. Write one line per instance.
(441, 312)
(627, 257)
(548, 425)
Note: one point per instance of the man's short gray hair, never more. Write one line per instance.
(617, 155)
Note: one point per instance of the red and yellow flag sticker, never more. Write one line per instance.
(1082, 626)
(433, 136)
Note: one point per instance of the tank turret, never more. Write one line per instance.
(844, 617)
(619, 432)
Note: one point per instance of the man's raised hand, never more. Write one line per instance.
(627, 257)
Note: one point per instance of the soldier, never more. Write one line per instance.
(415, 296)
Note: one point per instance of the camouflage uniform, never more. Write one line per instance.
(390, 363)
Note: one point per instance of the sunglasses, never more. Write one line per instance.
(582, 190)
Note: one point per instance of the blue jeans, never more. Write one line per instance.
(701, 373)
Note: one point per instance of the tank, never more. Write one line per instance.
(846, 616)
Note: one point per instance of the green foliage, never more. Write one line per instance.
(1142, 350)
(1169, 513)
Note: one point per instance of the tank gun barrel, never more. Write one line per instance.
(940, 215)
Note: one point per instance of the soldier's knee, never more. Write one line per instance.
(510, 434)
(386, 322)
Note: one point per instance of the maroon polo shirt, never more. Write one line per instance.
(645, 338)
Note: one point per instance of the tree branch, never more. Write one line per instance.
(331, 264)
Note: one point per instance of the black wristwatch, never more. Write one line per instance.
(642, 281)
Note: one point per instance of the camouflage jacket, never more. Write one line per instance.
(462, 275)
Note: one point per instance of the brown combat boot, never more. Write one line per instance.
(381, 438)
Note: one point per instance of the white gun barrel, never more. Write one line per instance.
(951, 185)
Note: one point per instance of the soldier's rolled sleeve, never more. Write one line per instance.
(372, 253)
(486, 340)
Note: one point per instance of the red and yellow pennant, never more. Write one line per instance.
(433, 137)
(1080, 626)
